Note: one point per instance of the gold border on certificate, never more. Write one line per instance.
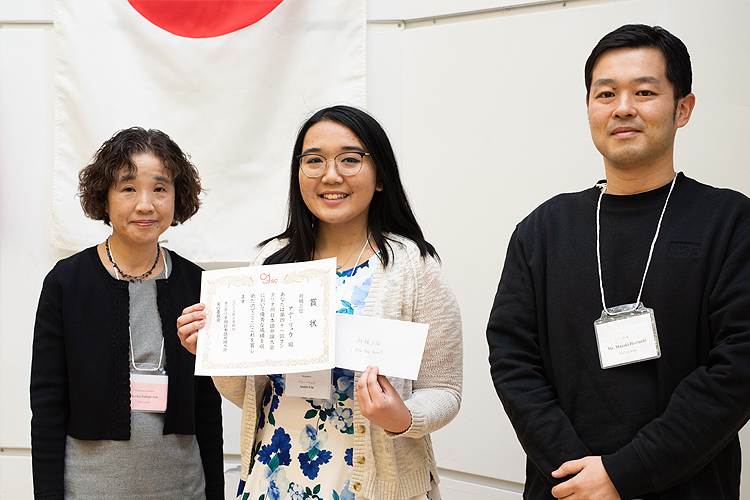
(299, 319)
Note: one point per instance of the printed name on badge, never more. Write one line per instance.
(626, 337)
(148, 392)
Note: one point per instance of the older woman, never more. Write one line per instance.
(117, 411)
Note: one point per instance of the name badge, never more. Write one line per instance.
(626, 334)
(309, 385)
(148, 392)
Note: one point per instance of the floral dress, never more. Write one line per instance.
(304, 447)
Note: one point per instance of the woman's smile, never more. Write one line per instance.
(141, 206)
(334, 198)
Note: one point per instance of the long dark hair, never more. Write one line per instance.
(389, 211)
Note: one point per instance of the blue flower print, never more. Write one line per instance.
(277, 381)
(299, 492)
(277, 452)
(321, 412)
(325, 405)
(272, 395)
(343, 381)
(353, 271)
(296, 492)
(310, 438)
(266, 399)
(310, 465)
(274, 483)
(358, 284)
(343, 420)
(359, 294)
(312, 457)
(345, 493)
(348, 456)
(347, 309)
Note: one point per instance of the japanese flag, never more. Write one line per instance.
(229, 81)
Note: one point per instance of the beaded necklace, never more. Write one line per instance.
(128, 277)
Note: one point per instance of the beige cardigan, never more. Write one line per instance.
(389, 466)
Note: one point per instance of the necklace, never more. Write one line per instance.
(128, 277)
(355, 249)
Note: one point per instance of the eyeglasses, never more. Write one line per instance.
(347, 163)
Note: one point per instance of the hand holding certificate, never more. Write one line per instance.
(346, 202)
(280, 319)
(267, 319)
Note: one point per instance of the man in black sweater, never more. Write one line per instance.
(620, 333)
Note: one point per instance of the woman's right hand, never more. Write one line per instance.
(380, 403)
(193, 319)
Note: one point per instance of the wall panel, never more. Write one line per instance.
(486, 113)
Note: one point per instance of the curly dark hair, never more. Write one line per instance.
(116, 154)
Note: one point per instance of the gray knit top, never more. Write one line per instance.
(150, 465)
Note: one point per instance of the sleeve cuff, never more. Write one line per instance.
(415, 429)
(627, 472)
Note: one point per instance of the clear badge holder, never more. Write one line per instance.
(317, 385)
(626, 334)
(148, 390)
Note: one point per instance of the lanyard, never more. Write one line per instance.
(603, 188)
(354, 269)
(141, 368)
(159, 366)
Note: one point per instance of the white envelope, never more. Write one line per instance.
(395, 347)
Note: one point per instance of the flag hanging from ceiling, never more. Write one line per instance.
(229, 80)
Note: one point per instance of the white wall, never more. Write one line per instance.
(485, 105)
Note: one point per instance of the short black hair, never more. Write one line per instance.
(116, 154)
(639, 36)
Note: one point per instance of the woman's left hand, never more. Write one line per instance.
(380, 403)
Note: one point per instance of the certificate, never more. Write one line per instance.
(268, 319)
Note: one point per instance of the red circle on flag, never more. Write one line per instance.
(203, 18)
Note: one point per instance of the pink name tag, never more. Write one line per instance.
(148, 392)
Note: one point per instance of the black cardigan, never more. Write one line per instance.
(80, 383)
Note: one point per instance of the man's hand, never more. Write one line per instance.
(591, 481)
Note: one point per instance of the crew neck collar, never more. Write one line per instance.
(634, 200)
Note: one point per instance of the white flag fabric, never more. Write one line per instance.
(229, 81)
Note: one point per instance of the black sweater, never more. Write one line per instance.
(80, 368)
(665, 428)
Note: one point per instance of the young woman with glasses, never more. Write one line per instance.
(371, 440)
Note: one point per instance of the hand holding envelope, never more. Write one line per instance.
(395, 347)
(380, 403)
